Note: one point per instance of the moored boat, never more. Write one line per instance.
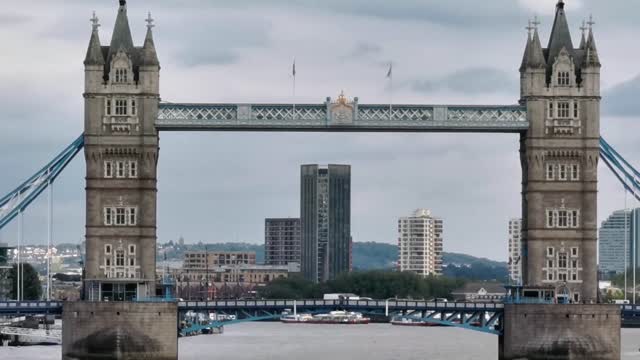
(333, 317)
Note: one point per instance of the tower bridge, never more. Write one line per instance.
(556, 116)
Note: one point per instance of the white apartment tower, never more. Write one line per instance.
(420, 243)
(515, 250)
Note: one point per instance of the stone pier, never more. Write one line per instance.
(119, 330)
(567, 332)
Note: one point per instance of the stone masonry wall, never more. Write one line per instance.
(550, 332)
(118, 330)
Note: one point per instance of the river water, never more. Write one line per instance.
(276, 341)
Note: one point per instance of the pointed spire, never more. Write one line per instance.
(583, 41)
(121, 38)
(149, 55)
(94, 52)
(560, 34)
(591, 56)
(525, 57)
(536, 55)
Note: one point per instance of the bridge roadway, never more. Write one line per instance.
(249, 307)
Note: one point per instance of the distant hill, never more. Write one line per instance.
(366, 256)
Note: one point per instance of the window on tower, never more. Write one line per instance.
(563, 78)
(108, 169)
(133, 169)
(133, 107)
(121, 107)
(121, 75)
(563, 110)
(120, 169)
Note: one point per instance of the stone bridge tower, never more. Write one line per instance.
(121, 150)
(560, 86)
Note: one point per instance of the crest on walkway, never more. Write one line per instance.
(342, 111)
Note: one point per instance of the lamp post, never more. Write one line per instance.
(386, 305)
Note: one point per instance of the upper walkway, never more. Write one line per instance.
(341, 116)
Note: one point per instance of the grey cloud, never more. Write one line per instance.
(623, 99)
(470, 81)
(7, 19)
(217, 42)
(364, 50)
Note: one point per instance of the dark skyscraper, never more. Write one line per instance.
(325, 212)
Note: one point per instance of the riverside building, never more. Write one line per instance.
(282, 241)
(420, 243)
(325, 215)
(619, 238)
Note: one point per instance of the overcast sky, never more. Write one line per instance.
(218, 187)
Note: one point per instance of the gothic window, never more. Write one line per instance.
(108, 262)
(551, 172)
(562, 173)
(108, 107)
(121, 218)
(563, 110)
(550, 276)
(575, 172)
(574, 218)
(121, 75)
(563, 78)
(133, 107)
(108, 169)
(121, 107)
(563, 220)
(120, 258)
(132, 262)
(131, 214)
(120, 169)
(576, 113)
(562, 260)
(132, 249)
(108, 216)
(551, 114)
(550, 264)
(574, 251)
(107, 249)
(549, 251)
(133, 169)
(576, 296)
(562, 276)
(574, 264)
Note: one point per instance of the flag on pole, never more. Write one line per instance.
(294, 67)
(390, 72)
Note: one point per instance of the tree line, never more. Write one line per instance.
(374, 284)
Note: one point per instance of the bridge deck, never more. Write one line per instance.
(332, 117)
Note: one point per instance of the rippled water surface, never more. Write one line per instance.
(333, 342)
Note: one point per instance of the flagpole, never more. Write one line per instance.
(294, 88)
(390, 90)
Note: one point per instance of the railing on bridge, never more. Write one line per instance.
(30, 307)
(351, 117)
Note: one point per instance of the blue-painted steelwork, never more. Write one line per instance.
(12, 204)
(30, 307)
(341, 116)
(628, 176)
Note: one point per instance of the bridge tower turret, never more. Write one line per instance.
(560, 86)
(121, 151)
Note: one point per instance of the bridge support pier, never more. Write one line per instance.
(119, 331)
(560, 332)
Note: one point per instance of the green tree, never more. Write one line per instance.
(373, 284)
(32, 286)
